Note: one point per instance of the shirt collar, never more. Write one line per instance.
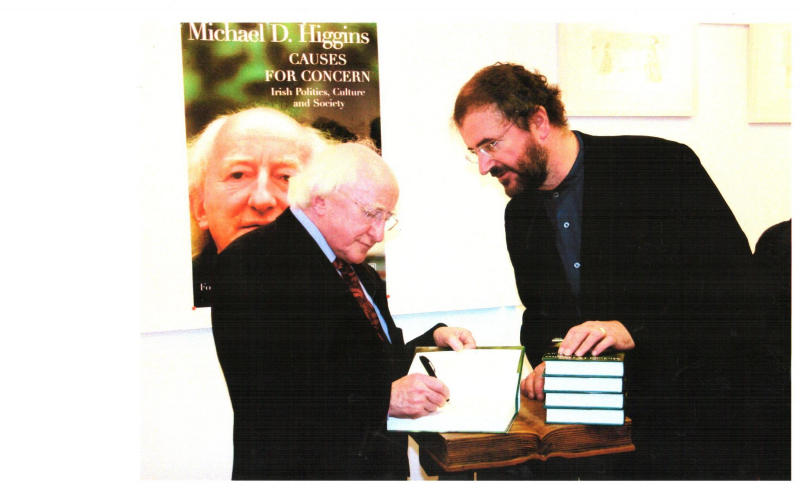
(574, 173)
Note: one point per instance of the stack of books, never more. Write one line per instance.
(584, 389)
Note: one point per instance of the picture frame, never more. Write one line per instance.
(628, 69)
(769, 73)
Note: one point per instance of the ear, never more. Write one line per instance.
(540, 122)
(319, 205)
(197, 206)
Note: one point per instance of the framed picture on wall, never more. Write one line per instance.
(628, 69)
(769, 73)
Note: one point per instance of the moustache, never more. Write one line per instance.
(497, 171)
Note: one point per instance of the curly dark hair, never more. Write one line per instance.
(514, 91)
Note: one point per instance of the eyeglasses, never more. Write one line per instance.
(375, 215)
(488, 148)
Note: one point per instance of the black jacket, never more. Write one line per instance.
(662, 253)
(309, 379)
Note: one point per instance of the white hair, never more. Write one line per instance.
(343, 164)
(199, 152)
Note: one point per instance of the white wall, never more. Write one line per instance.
(187, 420)
(449, 252)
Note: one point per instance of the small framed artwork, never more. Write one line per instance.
(628, 70)
(769, 73)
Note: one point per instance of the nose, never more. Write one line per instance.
(377, 230)
(485, 163)
(261, 197)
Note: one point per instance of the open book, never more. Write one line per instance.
(529, 438)
(484, 390)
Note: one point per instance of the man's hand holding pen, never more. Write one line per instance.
(417, 395)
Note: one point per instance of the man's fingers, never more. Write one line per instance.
(572, 340)
(455, 343)
(528, 387)
(538, 382)
(456, 338)
(594, 336)
(603, 345)
(437, 401)
(442, 392)
(469, 341)
(435, 390)
(591, 339)
(461, 339)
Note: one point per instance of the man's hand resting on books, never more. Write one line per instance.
(417, 395)
(455, 338)
(591, 336)
(596, 337)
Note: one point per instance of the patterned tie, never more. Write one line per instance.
(349, 275)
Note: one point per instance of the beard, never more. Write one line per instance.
(531, 171)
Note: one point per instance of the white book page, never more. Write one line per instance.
(484, 387)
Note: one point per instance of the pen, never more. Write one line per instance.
(429, 367)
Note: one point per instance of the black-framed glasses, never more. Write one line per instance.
(375, 215)
(488, 148)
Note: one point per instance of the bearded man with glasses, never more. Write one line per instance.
(624, 243)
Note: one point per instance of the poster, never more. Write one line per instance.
(322, 75)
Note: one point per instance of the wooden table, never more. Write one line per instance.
(529, 438)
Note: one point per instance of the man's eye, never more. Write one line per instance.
(281, 180)
(236, 175)
(282, 176)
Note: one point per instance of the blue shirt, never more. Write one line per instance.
(564, 208)
(323, 245)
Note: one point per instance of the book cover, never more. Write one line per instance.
(484, 386)
(322, 75)
(606, 364)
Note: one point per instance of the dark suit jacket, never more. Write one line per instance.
(662, 253)
(309, 379)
